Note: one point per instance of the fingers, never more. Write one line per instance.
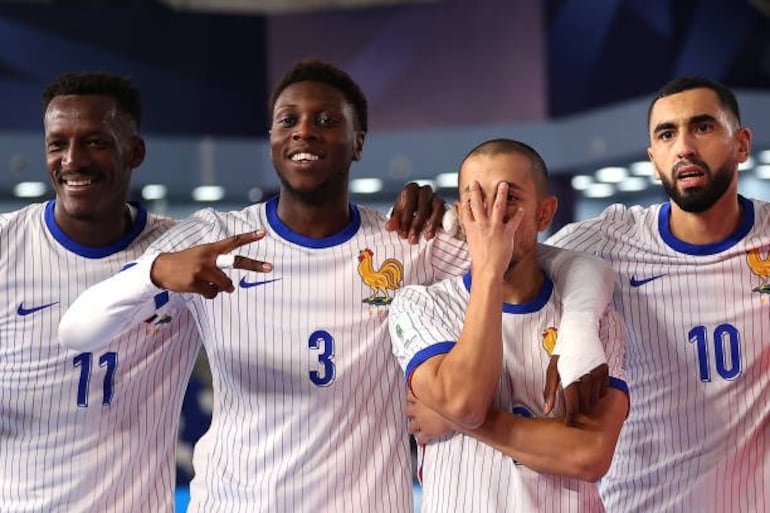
(417, 210)
(405, 207)
(438, 208)
(236, 241)
(571, 404)
(551, 385)
(248, 264)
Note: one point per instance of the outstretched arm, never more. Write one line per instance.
(111, 307)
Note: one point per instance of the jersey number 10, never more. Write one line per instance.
(726, 341)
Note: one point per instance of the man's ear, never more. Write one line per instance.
(137, 151)
(651, 156)
(358, 144)
(545, 212)
(743, 136)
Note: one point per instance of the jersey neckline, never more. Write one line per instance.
(347, 233)
(535, 305)
(103, 251)
(705, 249)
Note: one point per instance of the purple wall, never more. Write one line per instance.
(449, 63)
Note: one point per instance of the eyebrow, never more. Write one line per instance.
(700, 118)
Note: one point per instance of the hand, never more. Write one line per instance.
(488, 230)
(580, 396)
(416, 210)
(425, 424)
(195, 270)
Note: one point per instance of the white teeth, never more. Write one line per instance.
(77, 183)
(303, 157)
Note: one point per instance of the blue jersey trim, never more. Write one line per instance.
(705, 249)
(100, 252)
(425, 354)
(287, 233)
(618, 384)
(523, 308)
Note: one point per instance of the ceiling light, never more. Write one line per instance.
(208, 193)
(256, 194)
(764, 156)
(154, 192)
(29, 189)
(633, 184)
(748, 164)
(365, 185)
(762, 172)
(642, 168)
(599, 190)
(612, 174)
(582, 182)
(447, 180)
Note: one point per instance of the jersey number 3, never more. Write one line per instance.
(85, 361)
(322, 342)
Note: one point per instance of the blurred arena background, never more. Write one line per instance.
(571, 77)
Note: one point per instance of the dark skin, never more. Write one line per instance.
(313, 141)
(91, 151)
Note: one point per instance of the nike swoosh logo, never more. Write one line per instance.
(248, 284)
(634, 282)
(26, 311)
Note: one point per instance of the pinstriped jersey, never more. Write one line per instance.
(308, 402)
(459, 473)
(83, 432)
(698, 434)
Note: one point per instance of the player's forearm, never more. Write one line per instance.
(586, 284)
(460, 384)
(549, 446)
(109, 308)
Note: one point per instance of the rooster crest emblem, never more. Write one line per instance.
(549, 339)
(387, 277)
(761, 267)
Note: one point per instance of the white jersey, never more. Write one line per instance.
(87, 432)
(460, 473)
(308, 400)
(698, 434)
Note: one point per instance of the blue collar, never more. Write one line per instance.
(287, 233)
(99, 252)
(664, 219)
(522, 308)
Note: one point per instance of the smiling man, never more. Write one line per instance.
(307, 411)
(692, 272)
(82, 431)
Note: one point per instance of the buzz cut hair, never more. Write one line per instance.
(315, 70)
(508, 146)
(727, 98)
(126, 95)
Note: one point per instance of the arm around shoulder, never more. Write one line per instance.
(109, 308)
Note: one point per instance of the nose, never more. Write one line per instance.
(304, 129)
(685, 145)
(74, 157)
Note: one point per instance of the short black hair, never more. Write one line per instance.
(726, 97)
(315, 70)
(126, 95)
(503, 146)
